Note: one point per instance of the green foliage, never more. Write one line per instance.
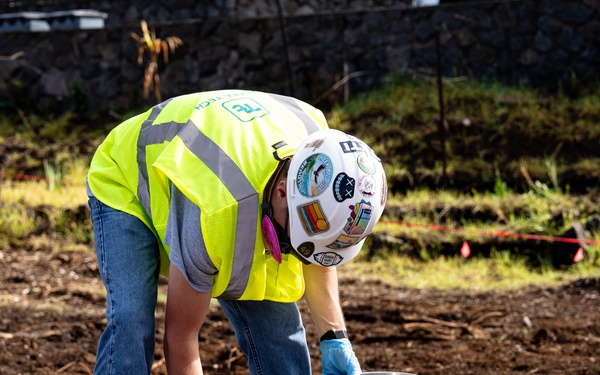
(500, 187)
(15, 223)
(54, 175)
(488, 127)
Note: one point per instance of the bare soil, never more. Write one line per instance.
(52, 313)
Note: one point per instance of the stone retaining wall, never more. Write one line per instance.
(240, 44)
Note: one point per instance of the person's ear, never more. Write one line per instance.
(281, 190)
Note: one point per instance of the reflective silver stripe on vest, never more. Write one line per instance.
(226, 170)
(244, 193)
(148, 135)
(291, 104)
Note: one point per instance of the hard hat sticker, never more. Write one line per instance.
(306, 249)
(359, 218)
(366, 185)
(343, 242)
(343, 187)
(245, 109)
(312, 218)
(352, 146)
(366, 163)
(315, 144)
(384, 190)
(328, 259)
(314, 175)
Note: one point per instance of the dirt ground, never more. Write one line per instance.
(52, 306)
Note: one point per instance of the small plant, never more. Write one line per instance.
(79, 100)
(542, 188)
(154, 46)
(53, 174)
(500, 187)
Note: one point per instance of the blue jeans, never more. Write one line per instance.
(271, 334)
(128, 261)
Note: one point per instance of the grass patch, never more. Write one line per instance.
(502, 271)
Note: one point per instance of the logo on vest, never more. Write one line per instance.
(245, 109)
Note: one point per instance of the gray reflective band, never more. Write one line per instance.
(147, 128)
(310, 125)
(244, 193)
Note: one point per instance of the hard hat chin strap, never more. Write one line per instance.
(285, 243)
(276, 238)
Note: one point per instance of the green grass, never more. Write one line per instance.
(502, 271)
(490, 129)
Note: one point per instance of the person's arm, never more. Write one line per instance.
(186, 311)
(322, 295)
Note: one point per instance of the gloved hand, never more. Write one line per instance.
(338, 358)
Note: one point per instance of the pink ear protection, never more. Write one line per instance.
(271, 239)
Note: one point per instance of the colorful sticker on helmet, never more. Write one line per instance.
(306, 249)
(384, 190)
(314, 175)
(245, 109)
(366, 163)
(315, 144)
(312, 218)
(366, 185)
(351, 146)
(343, 187)
(343, 242)
(359, 218)
(328, 259)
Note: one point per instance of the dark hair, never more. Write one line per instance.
(285, 167)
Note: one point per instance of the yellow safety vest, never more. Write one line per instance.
(219, 148)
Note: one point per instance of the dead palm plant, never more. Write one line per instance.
(154, 46)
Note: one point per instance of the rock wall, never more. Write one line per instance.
(241, 44)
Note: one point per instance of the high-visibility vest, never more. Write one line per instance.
(219, 148)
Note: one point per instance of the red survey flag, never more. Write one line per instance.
(578, 256)
(465, 250)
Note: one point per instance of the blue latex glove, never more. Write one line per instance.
(338, 358)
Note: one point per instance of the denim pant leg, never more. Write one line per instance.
(128, 261)
(271, 334)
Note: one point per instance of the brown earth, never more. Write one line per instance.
(52, 306)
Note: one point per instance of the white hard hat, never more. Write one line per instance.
(336, 193)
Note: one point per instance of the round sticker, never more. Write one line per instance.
(314, 175)
(366, 163)
(366, 185)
